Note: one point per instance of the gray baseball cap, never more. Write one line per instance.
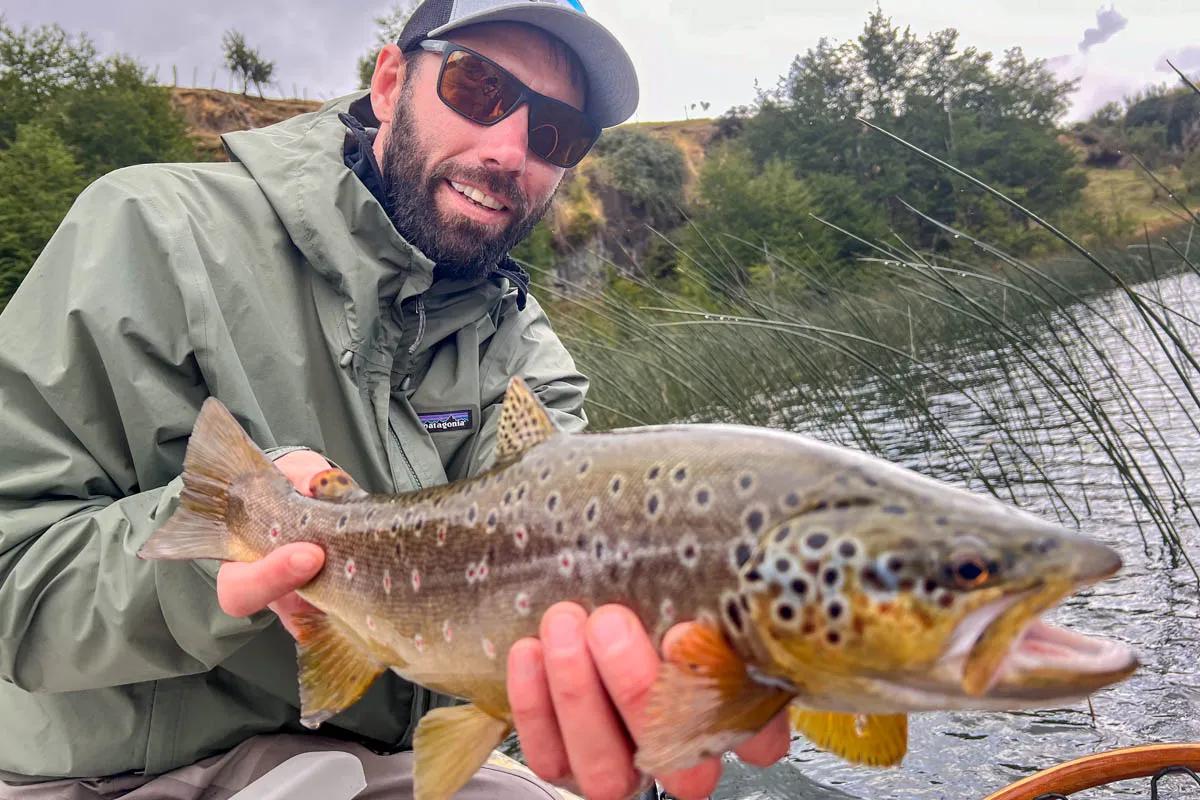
(612, 81)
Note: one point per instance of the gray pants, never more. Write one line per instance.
(221, 776)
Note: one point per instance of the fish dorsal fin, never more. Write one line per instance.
(335, 486)
(703, 703)
(878, 740)
(450, 746)
(523, 422)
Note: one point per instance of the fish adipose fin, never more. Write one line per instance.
(218, 454)
(335, 486)
(703, 703)
(450, 746)
(524, 423)
(878, 740)
(336, 667)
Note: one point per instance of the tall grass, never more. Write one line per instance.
(996, 364)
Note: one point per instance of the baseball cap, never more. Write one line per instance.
(612, 81)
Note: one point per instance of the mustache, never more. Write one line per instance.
(494, 183)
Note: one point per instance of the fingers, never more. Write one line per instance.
(246, 588)
(288, 607)
(299, 466)
(628, 665)
(598, 749)
(533, 712)
(770, 744)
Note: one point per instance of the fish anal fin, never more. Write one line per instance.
(336, 667)
(450, 746)
(703, 703)
(878, 740)
(335, 485)
(219, 453)
(524, 422)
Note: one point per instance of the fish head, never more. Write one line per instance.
(894, 593)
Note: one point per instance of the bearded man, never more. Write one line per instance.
(343, 286)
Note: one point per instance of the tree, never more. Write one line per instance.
(388, 29)
(39, 179)
(649, 172)
(246, 62)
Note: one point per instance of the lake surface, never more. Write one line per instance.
(1153, 604)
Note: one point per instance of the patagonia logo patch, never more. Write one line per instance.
(437, 421)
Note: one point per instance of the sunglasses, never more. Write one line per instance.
(484, 92)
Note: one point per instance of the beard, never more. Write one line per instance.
(461, 248)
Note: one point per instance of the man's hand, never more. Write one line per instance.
(271, 582)
(579, 692)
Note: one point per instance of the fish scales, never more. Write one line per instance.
(854, 589)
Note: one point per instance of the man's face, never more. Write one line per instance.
(432, 155)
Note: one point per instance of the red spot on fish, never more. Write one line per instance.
(489, 649)
(416, 579)
(667, 610)
(447, 631)
(520, 536)
(482, 572)
(441, 535)
(350, 568)
(522, 603)
(419, 643)
(387, 582)
(274, 533)
(946, 600)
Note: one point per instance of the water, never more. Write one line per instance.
(1153, 604)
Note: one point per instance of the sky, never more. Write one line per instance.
(686, 51)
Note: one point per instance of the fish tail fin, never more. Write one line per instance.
(219, 452)
(450, 746)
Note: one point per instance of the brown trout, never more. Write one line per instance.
(853, 589)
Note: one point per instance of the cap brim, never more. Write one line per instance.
(612, 80)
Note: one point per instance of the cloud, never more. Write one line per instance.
(1185, 58)
(1108, 23)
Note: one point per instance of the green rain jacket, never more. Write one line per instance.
(277, 284)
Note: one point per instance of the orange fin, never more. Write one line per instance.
(336, 667)
(879, 740)
(450, 746)
(523, 422)
(335, 486)
(703, 703)
(218, 453)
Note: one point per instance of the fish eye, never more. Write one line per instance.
(968, 570)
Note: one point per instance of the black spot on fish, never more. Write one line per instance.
(800, 586)
(680, 475)
(754, 576)
(783, 565)
(545, 476)
(930, 586)
(871, 577)
(754, 521)
(835, 609)
(552, 502)
(652, 504)
(816, 541)
(615, 486)
(782, 533)
(847, 549)
(521, 492)
(792, 500)
(820, 506)
(942, 521)
(653, 473)
(305, 518)
(702, 497)
(689, 552)
(341, 523)
(745, 482)
(591, 512)
(830, 577)
(491, 519)
(558, 527)
(870, 481)
(745, 601)
(742, 554)
(833, 637)
(735, 614)
(508, 497)
(895, 564)
(785, 611)
(599, 550)
(894, 510)
(472, 513)
(491, 553)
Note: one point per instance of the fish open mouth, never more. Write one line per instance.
(1010, 652)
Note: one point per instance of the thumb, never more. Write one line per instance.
(247, 588)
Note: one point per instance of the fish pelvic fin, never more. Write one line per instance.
(336, 667)
(218, 453)
(878, 740)
(450, 746)
(703, 703)
(335, 486)
(524, 422)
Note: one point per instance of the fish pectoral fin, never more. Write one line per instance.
(450, 746)
(879, 740)
(335, 486)
(703, 703)
(336, 667)
(524, 422)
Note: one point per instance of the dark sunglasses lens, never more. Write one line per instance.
(560, 134)
(477, 89)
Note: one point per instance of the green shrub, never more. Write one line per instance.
(649, 172)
